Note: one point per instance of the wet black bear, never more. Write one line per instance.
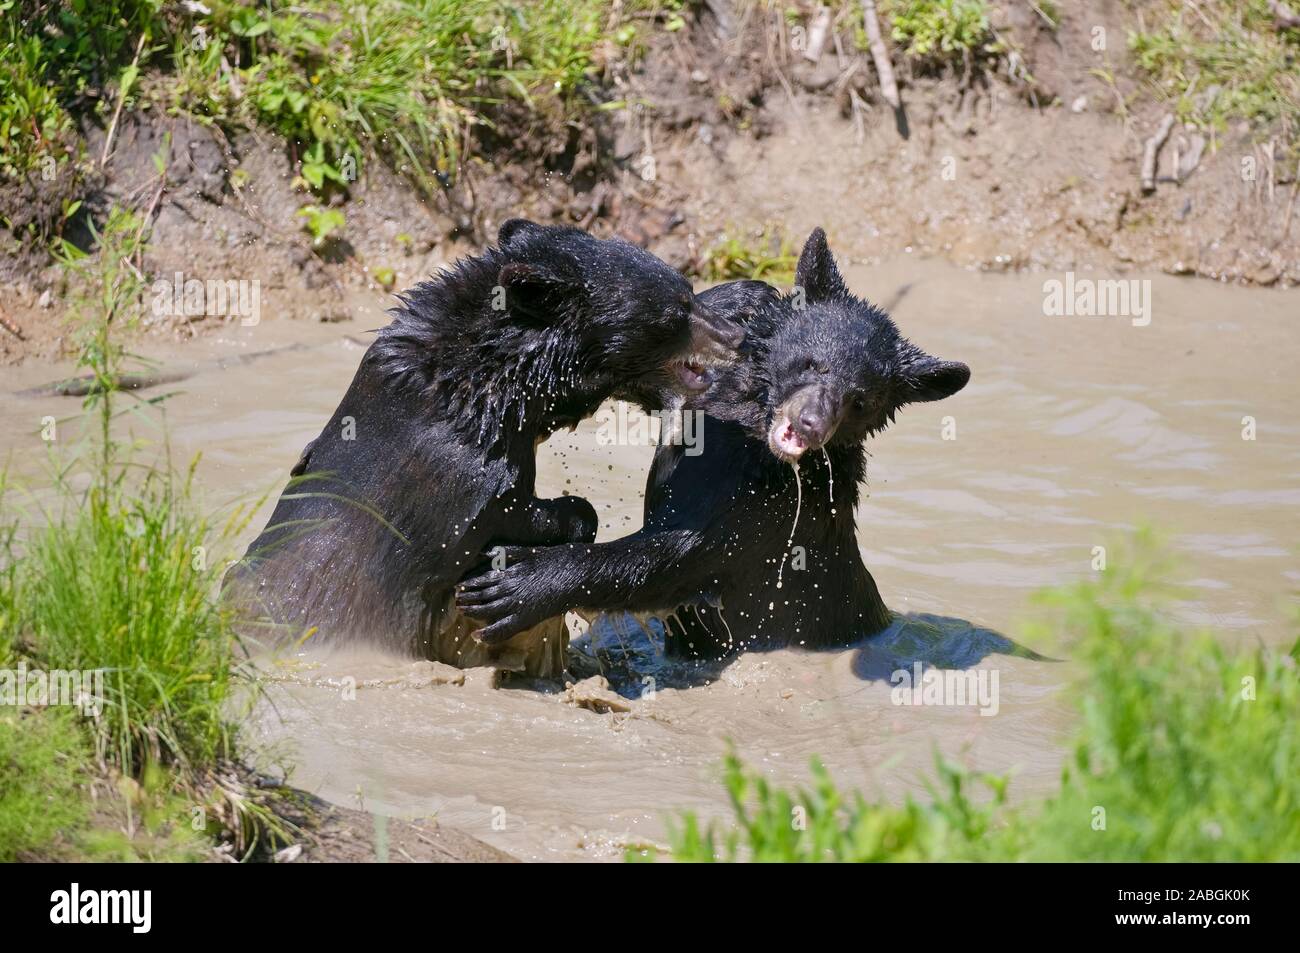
(430, 458)
(752, 543)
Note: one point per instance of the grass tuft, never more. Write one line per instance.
(43, 758)
(1218, 62)
(765, 255)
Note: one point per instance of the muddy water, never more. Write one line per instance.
(1073, 430)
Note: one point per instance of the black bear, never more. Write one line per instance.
(430, 458)
(752, 543)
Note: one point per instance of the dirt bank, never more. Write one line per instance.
(730, 130)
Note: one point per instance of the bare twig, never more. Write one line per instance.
(1290, 206)
(880, 54)
(1284, 18)
(7, 323)
(817, 32)
(117, 112)
(1152, 150)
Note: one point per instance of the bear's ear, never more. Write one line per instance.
(515, 228)
(927, 378)
(533, 292)
(816, 273)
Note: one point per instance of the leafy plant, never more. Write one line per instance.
(1185, 751)
(943, 30)
(43, 755)
(823, 824)
(1222, 61)
(321, 223)
(764, 255)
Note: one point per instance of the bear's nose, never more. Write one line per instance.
(813, 426)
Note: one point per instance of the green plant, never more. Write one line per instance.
(1191, 751)
(34, 128)
(1222, 61)
(407, 79)
(104, 305)
(1184, 752)
(43, 759)
(321, 223)
(942, 31)
(823, 824)
(117, 575)
(766, 255)
(119, 580)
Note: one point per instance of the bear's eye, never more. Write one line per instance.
(858, 401)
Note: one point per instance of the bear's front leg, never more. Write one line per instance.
(535, 584)
(533, 522)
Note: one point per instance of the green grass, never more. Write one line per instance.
(117, 580)
(114, 570)
(43, 758)
(404, 79)
(821, 823)
(1192, 750)
(1184, 751)
(1233, 45)
(942, 31)
(412, 82)
(766, 255)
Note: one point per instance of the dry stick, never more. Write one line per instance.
(1290, 206)
(880, 54)
(1152, 150)
(144, 222)
(859, 107)
(1272, 169)
(1283, 16)
(121, 100)
(15, 330)
(817, 31)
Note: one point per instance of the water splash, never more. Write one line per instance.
(798, 505)
(830, 471)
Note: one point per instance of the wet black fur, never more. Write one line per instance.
(718, 525)
(448, 406)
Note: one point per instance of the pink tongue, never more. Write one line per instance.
(791, 437)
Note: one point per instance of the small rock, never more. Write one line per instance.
(787, 693)
(44, 301)
(288, 855)
(1079, 105)
(699, 76)
(627, 143)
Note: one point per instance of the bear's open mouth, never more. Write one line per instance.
(784, 441)
(695, 372)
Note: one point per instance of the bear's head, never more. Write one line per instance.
(636, 320)
(825, 367)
